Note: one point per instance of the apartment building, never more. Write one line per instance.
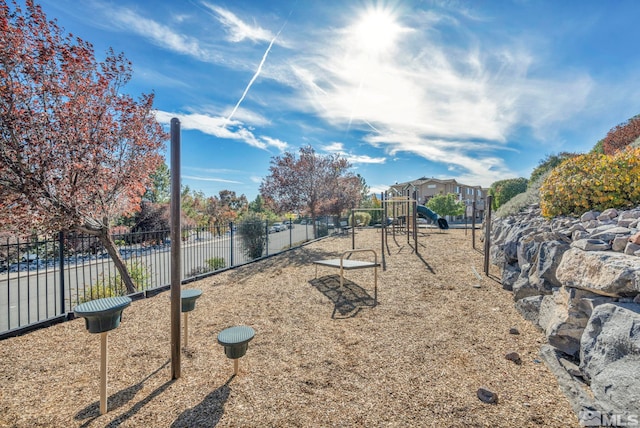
(425, 188)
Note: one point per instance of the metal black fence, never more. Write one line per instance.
(42, 280)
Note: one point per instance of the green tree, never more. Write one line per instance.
(160, 189)
(364, 188)
(257, 205)
(446, 205)
(547, 164)
(503, 190)
(252, 232)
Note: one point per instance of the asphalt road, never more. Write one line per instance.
(28, 297)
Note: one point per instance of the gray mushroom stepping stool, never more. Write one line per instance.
(188, 300)
(102, 316)
(235, 341)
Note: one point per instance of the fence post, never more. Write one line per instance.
(61, 268)
(473, 225)
(487, 234)
(266, 233)
(231, 242)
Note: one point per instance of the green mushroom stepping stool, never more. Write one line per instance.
(102, 316)
(188, 300)
(235, 341)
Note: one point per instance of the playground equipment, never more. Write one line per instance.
(426, 212)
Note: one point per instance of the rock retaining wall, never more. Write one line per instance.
(578, 279)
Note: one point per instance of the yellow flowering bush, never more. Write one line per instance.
(592, 181)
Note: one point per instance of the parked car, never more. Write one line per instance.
(276, 227)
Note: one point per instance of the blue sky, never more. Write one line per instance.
(478, 91)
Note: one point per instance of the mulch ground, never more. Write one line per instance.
(321, 356)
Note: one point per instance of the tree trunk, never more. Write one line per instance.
(110, 246)
(103, 233)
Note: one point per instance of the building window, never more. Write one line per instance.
(431, 186)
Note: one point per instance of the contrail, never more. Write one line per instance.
(255, 76)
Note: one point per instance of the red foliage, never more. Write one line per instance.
(74, 149)
(621, 136)
(310, 183)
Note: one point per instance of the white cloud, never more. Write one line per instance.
(215, 125)
(334, 147)
(217, 180)
(356, 159)
(338, 148)
(158, 34)
(236, 28)
(453, 105)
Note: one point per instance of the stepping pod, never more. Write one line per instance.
(101, 316)
(235, 341)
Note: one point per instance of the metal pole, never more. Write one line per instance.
(61, 267)
(176, 242)
(487, 235)
(406, 218)
(383, 230)
(473, 225)
(231, 241)
(353, 229)
(414, 213)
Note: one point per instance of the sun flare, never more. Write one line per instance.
(376, 30)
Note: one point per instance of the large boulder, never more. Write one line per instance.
(602, 272)
(529, 308)
(610, 357)
(563, 317)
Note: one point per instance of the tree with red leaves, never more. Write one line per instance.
(621, 136)
(75, 151)
(307, 183)
(347, 195)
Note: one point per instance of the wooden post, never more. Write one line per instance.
(186, 329)
(235, 366)
(176, 242)
(103, 373)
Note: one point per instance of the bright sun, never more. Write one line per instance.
(376, 31)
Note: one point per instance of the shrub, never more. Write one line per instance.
(112, 285)
(101, 290)
(523, 200)
(362, 218)
(215, 263)
(598, 148)
(621, 136)
(548, 163)
(504, 190)
(252, 232)
(592, 182)
(322, 230)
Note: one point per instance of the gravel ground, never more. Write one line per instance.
(321, 356)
